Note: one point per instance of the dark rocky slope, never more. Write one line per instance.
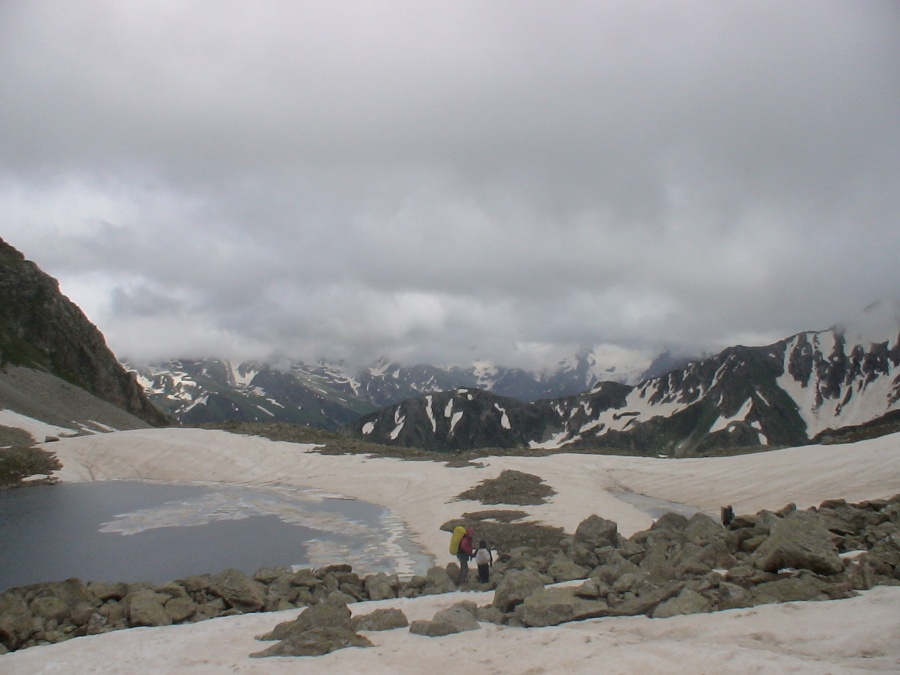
(41, 329)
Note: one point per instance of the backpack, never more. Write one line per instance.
(483, 556)
(458, 533)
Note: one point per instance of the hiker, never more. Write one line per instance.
(465, 554)
(727, 515)
(485, 561)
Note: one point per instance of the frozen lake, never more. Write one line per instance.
(140, 531)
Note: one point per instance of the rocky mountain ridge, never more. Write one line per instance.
(47, 344)
(800, 389)
(330, 395)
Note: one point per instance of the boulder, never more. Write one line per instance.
(566, 570)
(703, 530)
(596, 532)
(591, 534)
(799, 541)
(514, 588)
(553, 606)
(670, 521)
(613, 567)
(305, 578)
(269, 575)
(489, 614)
(643, 597)
(688, 601)
(329, 613)
(732, 596)
(195, 584)
(593, 589)
(238, 590)
(381, 586)
(456, 619)
(172, 589)
(803, 587)
(437, 580)
(788, 590)
(180, 609)
(147, 608)
(700, 561)
(315, 642)
(380, 619)
(657, 561)
(104, 591)
(16, 622)
(49, 608)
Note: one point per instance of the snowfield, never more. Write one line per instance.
(858, 635)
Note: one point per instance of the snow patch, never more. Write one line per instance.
(453, 422)
(504, 419)
(739, 416)
(38, 430)
(430, 412)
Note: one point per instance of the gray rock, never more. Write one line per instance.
(238, 590)
(381, 586)
(643, 598)
(323, 614)
(591, 534)
(802, 587)
(269, 575)
(700, 561)
(195, 584)
(380, 619)
(180, 609)
(305, 578)
(732, 596)
(489, 615)
(688, 601)
(657, 562)
(16, 622)
(438, 581)
(49, 607)
(628, 580)
(614, 567)
(593, 589)
(799, 541)
(596, 532)
(514, 588)
(104, 591)
(341, 597)
(553, 606)
(315, 642)
(172, 589)
(566, 570)
(456, 619)
(147, 608)
(670, 521)
(461, 615)
(114, 613)
(703, 530)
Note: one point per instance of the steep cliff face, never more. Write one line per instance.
(40, 328)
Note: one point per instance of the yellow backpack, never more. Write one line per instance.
(458, 533)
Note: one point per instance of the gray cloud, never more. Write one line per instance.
(448, 181)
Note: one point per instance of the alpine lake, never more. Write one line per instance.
(143, 531)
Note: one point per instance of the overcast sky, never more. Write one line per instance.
(448, 180)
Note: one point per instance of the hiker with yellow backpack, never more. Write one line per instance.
(461, 547)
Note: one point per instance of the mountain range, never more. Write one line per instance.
(809, 387)
(57, 371)
(330, 395)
